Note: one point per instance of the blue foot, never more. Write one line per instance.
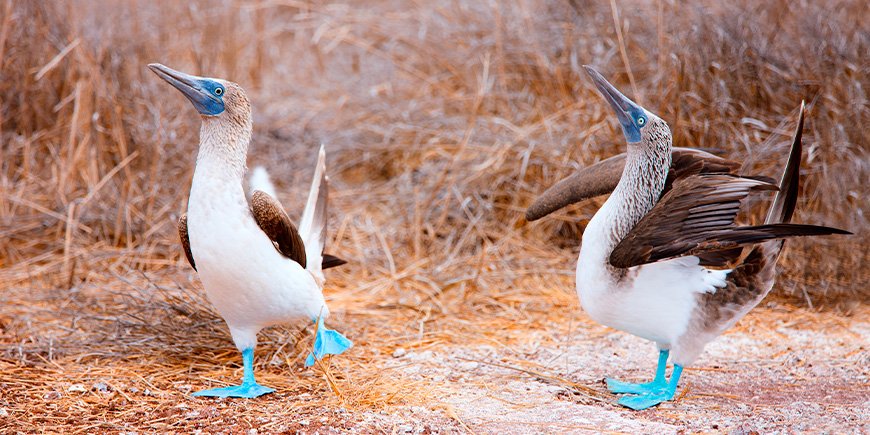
(327, 342)
(246, 391)
(653, 398)
(658, 384)
(645, 401)
(619, 387)
(249, 388)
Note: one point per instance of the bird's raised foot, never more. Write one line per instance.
(619, 387)
(648, 400)
(245, 391)
(327, 342)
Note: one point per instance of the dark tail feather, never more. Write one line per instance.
(781, 231)
(331, 261)
(741, 236)
(782, 208)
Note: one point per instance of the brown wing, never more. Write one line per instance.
(589, 182)
(696, 217)
(602, 177)
(273, 220)
(185, 240)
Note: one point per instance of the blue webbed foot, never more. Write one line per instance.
(249, 388)
(246, 391)
(653, 398)
(327, 342)
(658, 384)
(645, 401)
(619, 387)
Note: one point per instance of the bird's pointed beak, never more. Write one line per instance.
(193, 87)
(620, 104)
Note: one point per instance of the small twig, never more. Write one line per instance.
(56, 59)
(622, 50)
(579, 388)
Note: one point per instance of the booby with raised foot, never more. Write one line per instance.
(663, 258)
(258, 270)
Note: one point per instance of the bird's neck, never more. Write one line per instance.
(642, 182)
(223, 150)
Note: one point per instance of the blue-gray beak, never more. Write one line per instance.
(626, 110)
(199, 90)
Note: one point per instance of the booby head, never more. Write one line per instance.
(220, 102)
(638, 124)
(206, 94)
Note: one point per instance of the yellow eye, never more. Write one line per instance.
(218, 91)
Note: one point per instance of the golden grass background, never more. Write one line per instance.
(442, 121)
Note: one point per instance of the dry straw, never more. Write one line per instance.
(441, 121)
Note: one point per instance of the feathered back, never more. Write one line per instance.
(312, 227)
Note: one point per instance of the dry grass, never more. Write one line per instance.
(442, 122)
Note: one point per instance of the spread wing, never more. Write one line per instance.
(696, 217)
(185, 240)
(690, 217)
(273, 220)
(602, 177)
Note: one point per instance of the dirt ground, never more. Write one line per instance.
(782, 370)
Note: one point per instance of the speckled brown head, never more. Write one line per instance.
(226, 117)
(212, 98)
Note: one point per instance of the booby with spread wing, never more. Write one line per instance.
(257, 268)
(663, 258)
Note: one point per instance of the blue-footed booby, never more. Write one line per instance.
(662, 259)
(257, 269)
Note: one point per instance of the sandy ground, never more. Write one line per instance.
(781, 370)
(786, 379)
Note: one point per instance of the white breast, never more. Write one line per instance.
(247, 280)
(653, 301)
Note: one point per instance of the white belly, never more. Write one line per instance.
(653, 301)
(249, 282)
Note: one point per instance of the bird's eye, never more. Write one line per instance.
(218, 91)
(641, 121)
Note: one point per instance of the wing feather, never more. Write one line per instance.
(696, 217)
(185, 239)
(273, 220)
(602, 177)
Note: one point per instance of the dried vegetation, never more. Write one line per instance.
(442, 121)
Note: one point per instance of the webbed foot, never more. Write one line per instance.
(645, 401)
(619, 387)
(327, 342)
(246, 391)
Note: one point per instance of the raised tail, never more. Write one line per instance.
(776, 225)
(782, 208)
(312, 226)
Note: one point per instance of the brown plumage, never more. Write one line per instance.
(751, 280)
(602, 177)
(638, 269)
(696, 217)
(688, 219)
(273, 220)
(185, 239)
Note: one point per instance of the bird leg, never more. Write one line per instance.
(659, 383)
(249, 388)
(653, 398)
(326, 342)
